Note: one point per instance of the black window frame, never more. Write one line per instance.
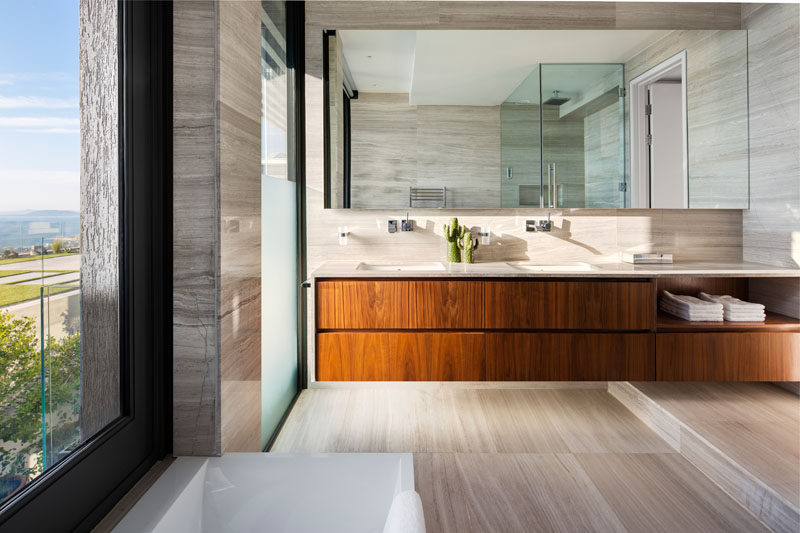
(77, 492)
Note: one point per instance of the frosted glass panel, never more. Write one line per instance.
(278, 229)
(278, 301)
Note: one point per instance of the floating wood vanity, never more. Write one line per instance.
(530, 328)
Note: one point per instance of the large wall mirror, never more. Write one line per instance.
(542, 118)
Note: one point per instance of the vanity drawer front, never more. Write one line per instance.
(362, 304)
(388, 356)
(570, 357)
(602, 305)
(446, 304)
(728, 356)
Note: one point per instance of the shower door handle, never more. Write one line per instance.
(552, 186)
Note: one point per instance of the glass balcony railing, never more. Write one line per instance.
(40, 366)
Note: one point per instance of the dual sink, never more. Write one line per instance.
(441, 267)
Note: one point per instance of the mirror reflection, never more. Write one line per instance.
(540, 118)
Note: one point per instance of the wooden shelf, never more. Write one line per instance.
(774, 322)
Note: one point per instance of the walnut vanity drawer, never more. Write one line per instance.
(401, 356)
(362, 304)
(446, 304)
(587, 305)
(570, 357)
(728, 356)
(384, 304)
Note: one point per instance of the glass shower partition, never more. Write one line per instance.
(520, 145)
(563, 138)
(583, 133)
(279, 324)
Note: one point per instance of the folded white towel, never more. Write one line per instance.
(729, 303)
(690, 308)
(692, 316)
(692, 311)
(405, 515)
(736, 310)
(761, 318)
(690, 302)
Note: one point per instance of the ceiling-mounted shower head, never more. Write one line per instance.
(555, 99)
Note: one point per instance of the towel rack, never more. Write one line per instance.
(427, 197)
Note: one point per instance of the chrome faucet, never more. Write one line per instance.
(545, 225)
(406, 225)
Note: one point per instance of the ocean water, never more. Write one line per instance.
(25, 230)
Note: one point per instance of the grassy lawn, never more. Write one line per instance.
(34, 274)
(31, 258)
(12, 294)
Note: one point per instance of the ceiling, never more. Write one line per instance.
(482, 67)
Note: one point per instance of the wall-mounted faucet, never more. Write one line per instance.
(343, 232)
(545, 225)
(407, 225)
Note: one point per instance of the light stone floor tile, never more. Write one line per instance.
(519, 459)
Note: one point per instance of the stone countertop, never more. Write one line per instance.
(435, 269)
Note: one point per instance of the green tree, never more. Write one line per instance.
(20, 392)
(57, 246)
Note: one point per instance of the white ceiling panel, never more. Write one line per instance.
(475, 67)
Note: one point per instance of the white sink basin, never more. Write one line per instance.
(562, 267)
(409, 267)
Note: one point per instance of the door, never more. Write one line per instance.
(668, 187)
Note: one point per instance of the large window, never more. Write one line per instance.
(40, 240)
(84, 256)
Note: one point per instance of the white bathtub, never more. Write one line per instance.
(273, 492)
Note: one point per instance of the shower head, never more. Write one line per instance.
(555, 99)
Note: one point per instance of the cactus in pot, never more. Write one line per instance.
(453, 233)
(468, 245)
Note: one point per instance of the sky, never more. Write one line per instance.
(39, 118)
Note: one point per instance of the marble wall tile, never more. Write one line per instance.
(240, 224)
(396, 146)
(526, 15)
(217, 226)
(668, 16)
(241, 415)
(772, 225)
(771, 228)
(196, 379)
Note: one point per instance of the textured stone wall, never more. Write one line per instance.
(99, 215)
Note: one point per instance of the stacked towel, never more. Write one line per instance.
(736, 310)
(691, 308)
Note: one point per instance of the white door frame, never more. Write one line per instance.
(640, 153)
